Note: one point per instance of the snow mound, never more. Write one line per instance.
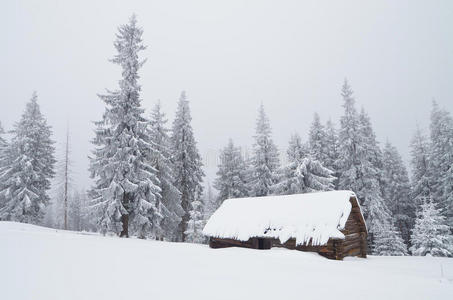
(314, 217)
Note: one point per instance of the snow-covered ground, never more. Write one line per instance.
(39, 263)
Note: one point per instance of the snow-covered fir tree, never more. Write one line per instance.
(317, 141)
(126, 185)
(332, 150)
(421, 185)
(360, 168)
(302, 173)
(349, 143)
(3, 147)
(30, 166)
(431, 236)
(388, 241)
(231, 176)
(396, 191)
(3, 160)
(75, 212)
(188, 173)
(211, 203)
(441, 160)
(370, 149)
(265, 160)
(377, 215)
(87, 222)
(287, 179)
(170, 201)
(194, 230)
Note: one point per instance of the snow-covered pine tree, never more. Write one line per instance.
(231, 177)
(396, 191)
(211, 203)
(370, 176)
(87, 222)
(360, 167)
(287, 179)
(441, 160)
(371, 150)
(317, 141)
(265, 160)
(431, 236)
(332, 150)
(170, 200)
(188, 173)
(348, 144)
(302, 173)
(421, 185)
(26, 177)
(388, 241)
(126, 186)
(3, 160)
(75, 212)
(3, 147)
(194, 230)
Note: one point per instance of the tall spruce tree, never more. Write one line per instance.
(360, 168)
(302, 173)
(194, 229)
(126, 185)
(30, 166)
(188, 173)
(396, 191)
(317, 141)
(332, 150)
(3, 160)
(169, 202)
(431, 236)
(379, 218)
(231, 175)
(349, 143)
(441, 160)
(287, 179)
(211, 203)
(422, 186)
(3, 147)
(388, 241)
(265, 160)
(75, 212)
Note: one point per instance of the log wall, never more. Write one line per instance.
(355, 233)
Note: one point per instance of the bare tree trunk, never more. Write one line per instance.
(66, 181)
(125, 221)
(186, 217)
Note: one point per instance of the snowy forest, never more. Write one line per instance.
(150, 183)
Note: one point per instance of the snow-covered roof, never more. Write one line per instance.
(316, 216)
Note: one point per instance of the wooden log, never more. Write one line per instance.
(352, 241)
(353, 236)
(352, 246)
(223, 243)
(353, 252)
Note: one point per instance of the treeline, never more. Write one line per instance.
(148, 176)
(403, 216)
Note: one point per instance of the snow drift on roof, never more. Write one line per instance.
(313, 216)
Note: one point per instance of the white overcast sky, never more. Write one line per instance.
(230, 56)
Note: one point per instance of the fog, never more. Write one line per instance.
(229, 57)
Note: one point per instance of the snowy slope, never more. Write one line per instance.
(39, 263)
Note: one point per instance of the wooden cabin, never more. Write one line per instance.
(329, 223)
